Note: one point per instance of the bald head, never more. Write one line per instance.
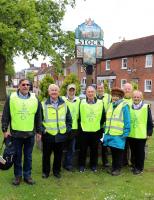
(128, 89)
(137, 96)
(90, 93)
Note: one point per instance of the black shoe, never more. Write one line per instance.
(137, 172)
(106, 165)
(70, 169)
(57, 175)
(29, 181)
(17, 181)
(45, 175)
(81, 169)
(94, 169)
(115, 173)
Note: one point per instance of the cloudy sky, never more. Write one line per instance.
(119, 19)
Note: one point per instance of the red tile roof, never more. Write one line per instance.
(128, 48)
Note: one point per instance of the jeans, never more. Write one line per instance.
(25, 145)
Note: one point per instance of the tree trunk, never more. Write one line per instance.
(2, 78)
(89, 72)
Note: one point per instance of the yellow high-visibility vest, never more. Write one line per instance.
(23, 112)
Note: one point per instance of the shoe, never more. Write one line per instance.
(29, 181)
(137, 172)
(45, 175)
(81, 169)
(115, 173)
(94, 169)
(70, 169)
(57, 175)
(17, 181)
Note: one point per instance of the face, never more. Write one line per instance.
(71, 92)
(100, 89)
(24, 87)
(128, 90)
(115, 97)
(90, 93)
(54, 92)
(137, 97)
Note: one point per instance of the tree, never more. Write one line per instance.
(44, 84)
(31, 28)
(30, 76)
(71, 78)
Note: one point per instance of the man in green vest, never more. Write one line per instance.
(127, 156)
(57, 124)
(92, 116)
(141, 130)
(73, 103)
(22, 112)
(106, 98)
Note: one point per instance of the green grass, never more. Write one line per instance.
(82, 186)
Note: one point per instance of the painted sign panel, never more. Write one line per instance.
(89, 56)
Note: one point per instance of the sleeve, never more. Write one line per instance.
(38, 118)
(149, 123)
(68, 121)
(126, 116)
(6, 116)
(103, 119)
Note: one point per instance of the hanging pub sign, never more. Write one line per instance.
(89, 42)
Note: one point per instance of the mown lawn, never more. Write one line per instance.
(82, 186)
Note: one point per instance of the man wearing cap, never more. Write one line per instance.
(106, 98)
(117, 128)
(72, 102)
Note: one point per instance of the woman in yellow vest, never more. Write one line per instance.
(57, 123)
(92, 115)
(117, 129)
(141, 129)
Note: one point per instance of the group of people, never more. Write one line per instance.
(120, 121)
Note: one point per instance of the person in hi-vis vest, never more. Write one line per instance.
(92, 116)
(57, 124)
(117, 129)
(141, 129)
(106, 98)
(73, 103)
(22, 112)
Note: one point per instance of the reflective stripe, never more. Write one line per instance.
(115, 127)
(115, 119)
(49, 128)
(54, 120)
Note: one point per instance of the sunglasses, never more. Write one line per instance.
(24, 84)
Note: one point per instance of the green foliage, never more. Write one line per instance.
(30, 76)
(71, 78)
(106, 87)
(44, 84)
(9, 70)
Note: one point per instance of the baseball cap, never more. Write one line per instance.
(71, 86)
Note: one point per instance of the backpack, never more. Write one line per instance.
(7, 160)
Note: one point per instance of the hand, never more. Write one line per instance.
(38, 137)
(6, 134)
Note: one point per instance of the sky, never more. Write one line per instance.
(119, 19)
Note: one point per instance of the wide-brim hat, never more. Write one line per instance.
(71, 86)
(117, 91)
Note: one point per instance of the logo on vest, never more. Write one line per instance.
(23, 112)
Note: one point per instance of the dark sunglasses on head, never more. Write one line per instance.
(24, 84)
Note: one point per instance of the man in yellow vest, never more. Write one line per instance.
(92, 116)
(127, 156)
(117, 129)
(72, 102)
(106, 98)
(57, 124)
(141, 129)
(22, 112)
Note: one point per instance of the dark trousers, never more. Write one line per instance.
(104, 155)
(91, 140)
(117, 156)
(126, 154)
(49, 146)
(137, 147)
(25, 145)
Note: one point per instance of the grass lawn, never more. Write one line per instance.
(82, 186)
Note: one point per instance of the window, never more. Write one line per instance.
(107, 64)
(124, 63)
(148, 86)
(148, 61)
(123, 81)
